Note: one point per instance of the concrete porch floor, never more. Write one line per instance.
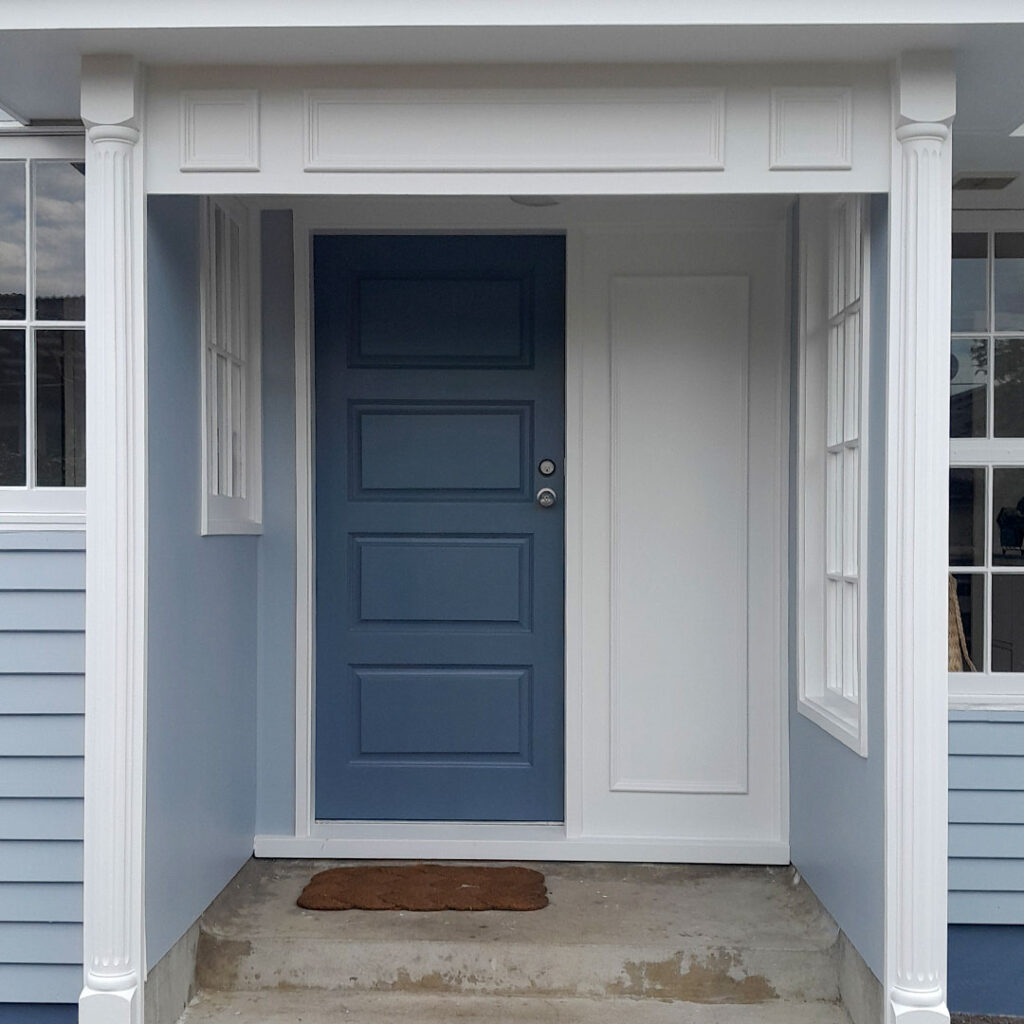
(644, 943)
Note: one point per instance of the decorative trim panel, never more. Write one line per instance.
(811, 129)
(220, 130)
(394, 130)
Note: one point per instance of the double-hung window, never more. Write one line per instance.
(42, 333)
(986, 477)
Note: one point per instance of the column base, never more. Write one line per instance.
(902, 1011)
(121, 1007)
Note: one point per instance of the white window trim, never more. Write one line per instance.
(985, 690)
(27, 507)
(220, 515)
(843, 717)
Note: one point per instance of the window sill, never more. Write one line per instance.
(986, 691)
(842, 725)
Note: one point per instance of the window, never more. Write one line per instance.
(986, 477)
(231, 426)
(832, 488)
(42, 333)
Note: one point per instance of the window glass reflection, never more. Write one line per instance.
(969, 281)
(59, 225)
(1008, 281)
(1008, 390)
(12, 408)
(967, 516)
(970, 595)
(968, 384)
(60, 408)
(1007, 623)
(12, 240)
(1008, 509)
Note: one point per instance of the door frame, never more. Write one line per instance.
(561, 841)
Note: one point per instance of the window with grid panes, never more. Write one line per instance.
(42, 339)
(230, 373)
(986, 477)
(831, 526)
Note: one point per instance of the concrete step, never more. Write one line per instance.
(314, 1007)
(695, 934)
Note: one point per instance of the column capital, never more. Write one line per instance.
(110, 91)
(925, 88)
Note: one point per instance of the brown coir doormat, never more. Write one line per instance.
(425, 887)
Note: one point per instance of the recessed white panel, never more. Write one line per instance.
(811, 129)
(220, 130)
(679, 350)
(512, 130)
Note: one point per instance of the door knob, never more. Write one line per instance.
(546, 497)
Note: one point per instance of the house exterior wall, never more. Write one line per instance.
(275, 810)
(986, 861)
(201, 745)
(42, 618)
(836, 796)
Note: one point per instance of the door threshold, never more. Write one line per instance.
(507, 841)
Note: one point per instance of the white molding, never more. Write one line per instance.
(15, 522)
(115, 668)
(26, 144)
(811, 129)
(230, 141)
(916, 524)
(489, 130)
(454, 841)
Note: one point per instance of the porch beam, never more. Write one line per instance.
(924, 96)
(115, 546)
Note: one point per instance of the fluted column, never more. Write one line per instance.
(916, 539)
(115, 548)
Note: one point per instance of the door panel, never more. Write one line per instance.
(439, 368)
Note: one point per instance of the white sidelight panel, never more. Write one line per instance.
(679, 534)
(681, 342)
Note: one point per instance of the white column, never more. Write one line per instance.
(916, 540)
(115, 547)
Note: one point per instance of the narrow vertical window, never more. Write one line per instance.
(230, 371)
(833, 315)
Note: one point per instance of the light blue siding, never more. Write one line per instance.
(40, 983)
(837, 824)
(42, 652)
(203, 636)
(42, 777)
(986, 818)
(26, 860)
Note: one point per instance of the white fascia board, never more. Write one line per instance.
(173, 14)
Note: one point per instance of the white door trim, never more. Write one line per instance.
(563, 840)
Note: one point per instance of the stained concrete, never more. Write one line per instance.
(707, 936)
(314, 1007)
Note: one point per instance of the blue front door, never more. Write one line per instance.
(439, 368)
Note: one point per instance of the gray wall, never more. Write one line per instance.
(986, 818)
(42, 660)
(836, 797)
(201, 756)
(275, 813)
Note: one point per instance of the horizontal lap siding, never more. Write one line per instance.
(42, 661)
(986, 818)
